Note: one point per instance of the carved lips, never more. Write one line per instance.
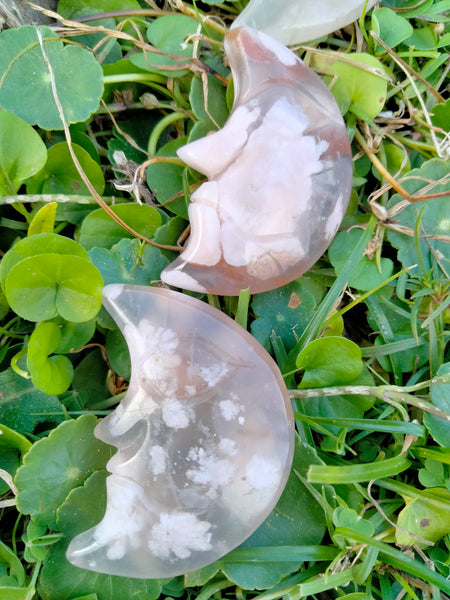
(279, 176)
(204, 434)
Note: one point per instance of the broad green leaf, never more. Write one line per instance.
(22, 152)
(44, 220)
(209, 105)
(16, 393)
(357, 89)
(129, 262)
(390, 27)
(169, 34)
(13, 565)
(118, 353)
(26, 83)
(60, 176)
(55, 465)
(329, 361)
(40, 243)
(12, 446)
(285, 311)
(435, 220)
(50, 374)
(283, 528)
(424, 518)
(73, 335)
(365, 275)
(83, 508)
(41, 287)
(440, 115)
(94, 388)
(440, 396)
(101, 231)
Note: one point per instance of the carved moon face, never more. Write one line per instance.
(279, 171)
(299, 21)
(204, 434)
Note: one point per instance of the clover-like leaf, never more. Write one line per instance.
(434, 222)
(83, 508)
(60, 176)
(22, 152)
(56, 464)
(100, 230)
(329, 361)
(42, 287)
(50, 374)
(40, 243)
(26, 83)
(128, 262)
(347, 517)
(365, 275)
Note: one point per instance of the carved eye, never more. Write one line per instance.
(280, 174)
(205, 444)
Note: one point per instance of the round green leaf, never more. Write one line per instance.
(40, 243)
(390, 27)
(329, 361)
(168, 34)
(41, 287)
(26, 83)
(74, 335)
(365, 276)
(100, 230)
(56, 464)
(22, 152)
(49, 374)
(60, 176)
(361, 91)
(424, 517)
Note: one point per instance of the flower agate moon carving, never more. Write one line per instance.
(279, 176)
(204, 436)
(300, 21)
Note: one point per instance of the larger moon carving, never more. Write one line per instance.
(279, 176)
(205, 439)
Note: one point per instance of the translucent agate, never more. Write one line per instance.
(298, 21)
(204, 437)
(279, 172)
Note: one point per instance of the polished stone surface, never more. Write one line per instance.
(205, 439)
(279, 176)
(299, 21)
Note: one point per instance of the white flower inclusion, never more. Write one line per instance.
(211, 471)
(154, 351)
(179, 534)
(263, 472)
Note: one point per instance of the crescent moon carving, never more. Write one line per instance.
(205, 439)
(279, 176)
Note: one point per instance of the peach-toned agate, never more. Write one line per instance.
(204, 437)
(298, 21)
(279, 176)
